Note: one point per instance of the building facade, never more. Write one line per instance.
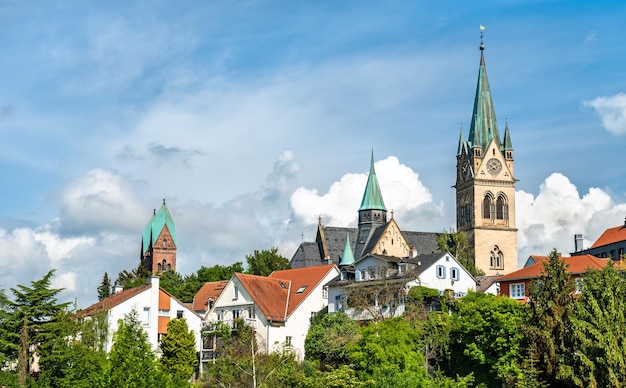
(485, 185)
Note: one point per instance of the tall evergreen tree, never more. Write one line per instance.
(29, 320)
(178, 345)
(265, 262)
(104, 290)
(549, 324)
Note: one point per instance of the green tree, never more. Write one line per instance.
(135, 278)
(265, 262)
(328, 339)
(598, 330)
(132, 362)
(29, 321)
(218, 272)
(549, 324)
(486, 338)
(104, 289)
(458, 245)
(179, 357)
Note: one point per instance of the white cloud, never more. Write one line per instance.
(612, 112)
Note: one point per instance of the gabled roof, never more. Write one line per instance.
(277, 295)
(112, 301)
(158, 221)
(611, 236)
(576, 265)
(209, 291)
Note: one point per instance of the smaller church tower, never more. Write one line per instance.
(158, 244)
(372, 212)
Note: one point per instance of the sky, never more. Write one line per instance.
(254, 118)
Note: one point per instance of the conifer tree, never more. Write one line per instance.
(178, 345)
(104, 290)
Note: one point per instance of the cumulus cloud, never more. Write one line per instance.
(612, 112)
(550, 219)
(402, 190)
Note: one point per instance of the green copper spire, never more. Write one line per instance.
(508, 145)
(461, 143)
(372, 198)
(348, 256)
(484, 127)
(156, 224)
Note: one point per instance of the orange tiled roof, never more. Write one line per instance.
(164, 300)
(112, 301)
(210, 290)
(577, 265)
(308, 277)
(610, 236)
(163, 321)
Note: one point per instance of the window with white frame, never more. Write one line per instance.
(145, 318)
(235, 293)
(454, 273)
(235, 314)
(325, 292)
(517, 291)
(362, 272)
(441, 271)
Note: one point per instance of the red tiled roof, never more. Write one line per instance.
(277, 295)
(308, 277)
(210, 290)
(112, 301)
(164, 300)
(577, 265)
(610, 236)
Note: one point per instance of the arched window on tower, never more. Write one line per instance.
(502, 208)
(496, 258)
(488, 206)
(164, 265)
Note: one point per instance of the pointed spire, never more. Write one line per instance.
(484, 127)
(459, 150)
(508, 145)
(372, 197)
(348, 257)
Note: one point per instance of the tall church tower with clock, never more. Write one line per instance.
(485, 185)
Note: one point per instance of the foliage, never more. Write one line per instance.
(134, 278)
(132, 362)
(218, 272)
(183, 288)
(29, 321)
(598, 330)
(549, 324)
(265, 262)
(328, 339)
(104, 289)
(486, 339)
(458, 245)
(178, 345)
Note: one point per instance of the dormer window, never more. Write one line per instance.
(301, 289)
(283, 285)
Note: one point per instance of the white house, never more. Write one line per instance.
(279, 307)
(377, 285)
(155, 308)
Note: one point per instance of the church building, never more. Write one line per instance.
(485, 185)
(158, 243)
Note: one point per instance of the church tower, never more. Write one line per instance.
(372, 212)
(485, 185)
(158, 244)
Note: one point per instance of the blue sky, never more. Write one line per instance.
(254, 118)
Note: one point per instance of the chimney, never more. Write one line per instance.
(116, 288)
(578, 242)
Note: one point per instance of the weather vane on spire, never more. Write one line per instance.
(482, 46)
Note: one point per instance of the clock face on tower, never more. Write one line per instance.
(466, 171)
(494, 166)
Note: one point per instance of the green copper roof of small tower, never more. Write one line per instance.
(508, 145)
(372, 198)
(484, 127)
(156, 224)
(348, 256)
(461, 144)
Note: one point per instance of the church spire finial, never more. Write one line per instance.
(482, 45)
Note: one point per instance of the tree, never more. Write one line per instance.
(218, 272)
(134, 278)
(132, 361)
(183, 288)
(265, 262)
(29, 320)
(458, 245)
(328, 339)
(549, 324)
(600, 340)
(179, 357)
(104, 290)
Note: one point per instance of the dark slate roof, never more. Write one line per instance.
(336, 241)
(424, 261)
(484, 282)
(424, 242)
(307, 255)
(374, 237)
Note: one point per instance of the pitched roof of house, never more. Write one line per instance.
(484, 282)
(277, 295)
(576, 265)
(610, 236)
(209, 291)
(112, 301)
